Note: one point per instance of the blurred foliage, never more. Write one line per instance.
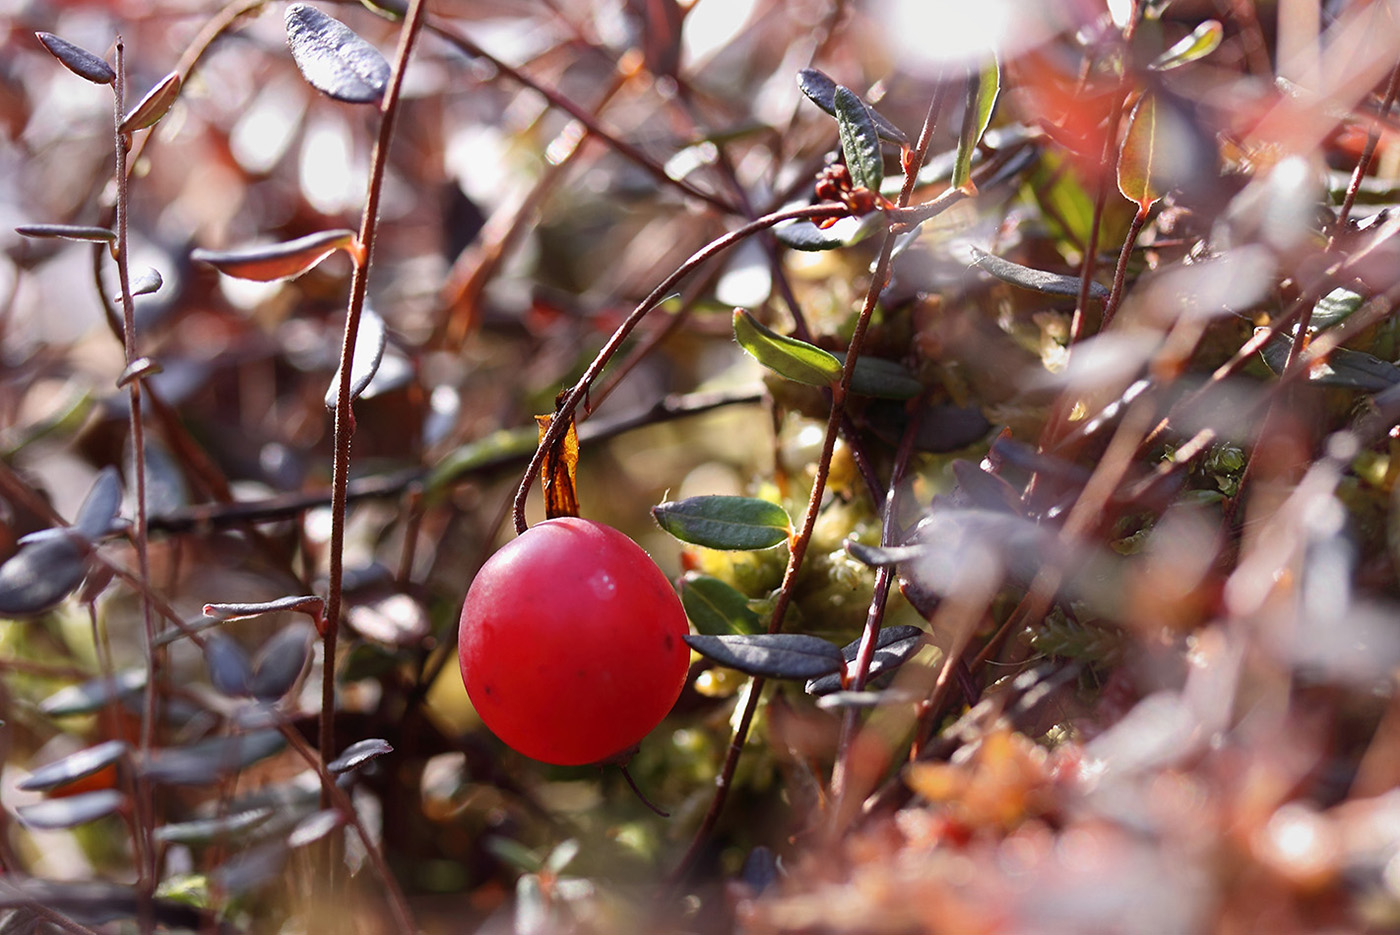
(1143, 500)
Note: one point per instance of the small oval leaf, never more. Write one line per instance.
(47, 568)
(893, 646)
(982, 92)
(68, 232)
(1138, 153)
(314, 827)
(54, 814)
(883, 379)
(154, 105)
(211, 760)
(101, 505)
(78, 60)
(358, 754)
(93, 695)
(733, 523)
(804, 235)
(139, 369)
(333, 59)
(770, 655)
(146, 282)
(788, 357)
(229, 670)
(1334, 308)
(714, 607)
(1037, 280)
(227, 829)
(73, 767)
(271, 262)
(280, 661)
(370, 342)
(821, 90)
(860, 141)
(1202, 41)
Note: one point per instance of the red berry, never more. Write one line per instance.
(572, 642)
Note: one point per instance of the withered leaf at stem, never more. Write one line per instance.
(559, 471)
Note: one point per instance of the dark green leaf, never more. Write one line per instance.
(893, 646)
(734, 523)
(1334, 308)
(1202, 41)
(804, 235)
(78, 60)
(1036, 280)
(101, 505)
(369, 351)
(73, 767)
(271, 262)
(788, 357)
(358, 754)
(154, 105)
(822, 91)
(883, 379)
(1354, 370)
(500, 447)
(75, 810)
(333, 59)
(715, 608)
(982, 92)
(69, 232)
(860, 141)
(45, 570)
(771, 655)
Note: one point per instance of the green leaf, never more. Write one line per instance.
(771, 655)
(1353, 370)
(1334, 308)
(1202, 41)
(822, 91)
(1136, 157)
(733, 523)
(714, 607)
(883, 379)
(804, 235)
(788, 357)
(860, 141)
(982, 93)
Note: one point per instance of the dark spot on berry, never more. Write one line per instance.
(489, 690)
(669, 640)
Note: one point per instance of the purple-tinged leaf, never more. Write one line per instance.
(893, 646)
(53, 814)
(93, 695)
(735, 523)
(280, 661)
(271, 262)
(1035, 280)
(139, 369)
(96, 903)
(314, 827)
(146, 282)
(369, 351)
(821, 90)
(47, 568)
(250, 869)
(333, 59)
(212, 760)
(771, 655)
(228, 829)
(229, 670)
(79, 232)
(305, 603)
(73, 767)
(155, 105)
(77, 59)
(101, 505)
(358, 754)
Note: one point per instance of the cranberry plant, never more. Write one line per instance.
(1007, 396)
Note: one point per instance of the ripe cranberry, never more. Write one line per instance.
(572, 643)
